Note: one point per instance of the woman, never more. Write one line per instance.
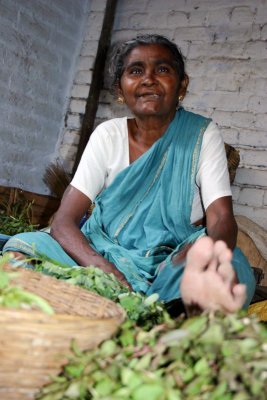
(154, 178)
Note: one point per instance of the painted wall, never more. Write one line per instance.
(40, 42)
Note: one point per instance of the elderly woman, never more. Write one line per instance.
(159, 182)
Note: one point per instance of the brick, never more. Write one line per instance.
(71, 137)
(157, 19)
(242, 120)
(258, 104)
(138, 21)
(258, 68)
(216, 50)
(83, 77)
(85, 63)
(140, 5)
(256, 32)
(175, 19)
(253, 138)
(97, 5)
(264, 32)
(230, 136)
(253, 158)
(254, 85)
(89, 48)
(260, 121)
(235, 192)
(225, 101)
(196, 17)
(216, 17)
(73, 121)
(197, 85)
(242, 15)
(67, 152)
(261, 14)
(229, 83)
(257, 50)
(77, 106)
(121, 20)
(80, 91)
(191, 33)
(251, 177)
(252, 197)
(94, 25)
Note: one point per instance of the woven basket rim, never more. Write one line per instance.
(31, 280)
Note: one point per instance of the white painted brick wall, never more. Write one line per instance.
(225, 46)
(39, 47)
(81, 84)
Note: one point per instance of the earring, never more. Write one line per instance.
(120, 99)
(180, 98)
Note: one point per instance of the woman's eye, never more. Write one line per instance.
(135, 71)
(162, 68)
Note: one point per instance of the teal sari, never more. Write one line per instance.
(142, 219)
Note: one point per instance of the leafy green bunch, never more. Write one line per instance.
(210, 357)
(145, 311)
(17, 218)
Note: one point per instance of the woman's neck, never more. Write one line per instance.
(143, 133)
(148, 130)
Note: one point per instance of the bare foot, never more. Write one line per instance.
(209, 280)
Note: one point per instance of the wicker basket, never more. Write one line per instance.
(34, 346)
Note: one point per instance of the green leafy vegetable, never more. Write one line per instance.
(138, 365)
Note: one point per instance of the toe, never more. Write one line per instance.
(200, 254)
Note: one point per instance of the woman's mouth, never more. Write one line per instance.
(149, 95)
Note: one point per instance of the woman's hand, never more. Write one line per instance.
(110, 268)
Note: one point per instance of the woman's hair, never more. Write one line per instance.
(121, 50)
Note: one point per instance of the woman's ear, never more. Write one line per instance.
(183, 87)
(119, 96)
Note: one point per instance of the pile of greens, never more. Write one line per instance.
(16, 218)
(145, 311)
(210, 357)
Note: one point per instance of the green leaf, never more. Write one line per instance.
(148, 391)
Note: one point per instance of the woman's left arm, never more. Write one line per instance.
(220, 221)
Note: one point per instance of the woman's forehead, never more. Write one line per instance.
(149, 51)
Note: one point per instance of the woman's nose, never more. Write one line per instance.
(149, 78)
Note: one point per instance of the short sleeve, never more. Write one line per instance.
(91, 172)
(106, 154)
(213, 176)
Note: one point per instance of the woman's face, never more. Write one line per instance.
(150, 83)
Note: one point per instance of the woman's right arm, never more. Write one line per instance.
(66, 231)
